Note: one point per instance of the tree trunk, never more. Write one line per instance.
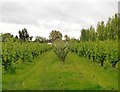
(89, 56)
(93, 58)
(114, 64)
(102, 62)
(63, 60)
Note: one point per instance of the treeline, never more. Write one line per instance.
(104, 31)
(23, 37)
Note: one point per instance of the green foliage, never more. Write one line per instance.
(54, 35)
(6, 36)
(14, 52)
(108, 31)
(98, 51)
(40, 39)
(23, 35)
(60, 48)
(66, 38)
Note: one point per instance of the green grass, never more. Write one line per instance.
(46, 72)
(0, 73)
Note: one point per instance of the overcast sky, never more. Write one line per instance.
(68, 17)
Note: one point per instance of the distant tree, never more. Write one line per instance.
(31, 37)
(87, 35)
(37, 39)
(6, 36)
(119, 29)
(101, 30)
(114, 27)
(23, 35)
(66, 38)
(16, 37)
(92, 34)
(40, 39)
(55, 35)
(108, 31)
(83, 36)
(73, 39)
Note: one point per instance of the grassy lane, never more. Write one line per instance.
(104, 78)
(47, 72)
(26, 76)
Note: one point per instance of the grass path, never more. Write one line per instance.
(46, 72)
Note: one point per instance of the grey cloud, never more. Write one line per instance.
(69, 12)
(17, 13)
